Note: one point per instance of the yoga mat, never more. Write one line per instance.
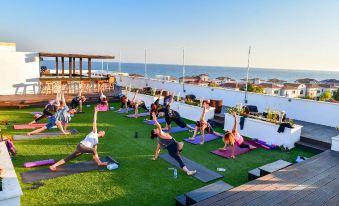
(178, 129)
(66, 169)
(138, 115)
(29, 126)
(39, 163)
(227, 153)
(161, 120)
(197, 139)
(102, 108)
(203, 174)
(124, 110)
(42, 135)
(35, 113)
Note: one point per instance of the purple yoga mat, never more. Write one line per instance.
(197, 139)
(35, 113)
(162, 120)
(178, 129)
(138, 115)
(39, 163)
(124, 110)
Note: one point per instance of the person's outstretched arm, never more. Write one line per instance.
(203, 114)
(96, 157)
(63, 98)
(234, 130)
(157, 152)
(156, 123)
(95, 129)
(172, 98)
(135, 94)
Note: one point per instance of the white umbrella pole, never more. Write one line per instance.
(248, 69)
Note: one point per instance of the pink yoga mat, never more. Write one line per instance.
(228, 152)
(39, 163)
(102, 108)
(27, 126)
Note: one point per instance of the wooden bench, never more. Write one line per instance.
(273, 167)
(202, 193)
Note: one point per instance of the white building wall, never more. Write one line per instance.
(19, 71)
(311, 111)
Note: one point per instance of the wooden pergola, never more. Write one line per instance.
(71, 62)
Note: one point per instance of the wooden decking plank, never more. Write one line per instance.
(333, 201)
(246, 189)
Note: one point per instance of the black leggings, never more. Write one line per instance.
(243, 145)
(45, 114)
(81, 149)
(172, 149)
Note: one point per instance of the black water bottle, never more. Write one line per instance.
(136, 135)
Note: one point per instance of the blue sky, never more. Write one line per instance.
(302, 34)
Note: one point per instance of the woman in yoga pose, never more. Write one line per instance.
(88, 145)
(49, 109)
(78, 100)
(60, 119)
(203, 125)
(166, 141)
(234, 139)
(156, 107)
(172, 115)
(135, 104)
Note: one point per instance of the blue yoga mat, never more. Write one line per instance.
(138, 115)
(178, 129)
(124, 110)
(162, 120)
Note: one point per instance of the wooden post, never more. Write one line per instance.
(63, 66)
(73, 65)
(89, 67)
(57, 66)
(70, 66)
(80, 67)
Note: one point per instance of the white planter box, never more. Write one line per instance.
(265, 131)
(192, 112)
(335, 143)
(11, 190)
(145, 98)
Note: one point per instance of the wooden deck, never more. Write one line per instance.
(312, 182)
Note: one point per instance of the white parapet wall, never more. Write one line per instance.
(19, 71)
(11, 190)
(306, 110)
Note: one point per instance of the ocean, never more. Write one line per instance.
(213, 71)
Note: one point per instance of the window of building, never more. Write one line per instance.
(293, 92)
(301, 91)
(318, 91)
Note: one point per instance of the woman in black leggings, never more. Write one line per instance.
(166, 141)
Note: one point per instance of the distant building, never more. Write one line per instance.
(202, 77)
(166, 78)
(270, 88)
(313, 90)
(223, 80)
(276, 81)
(231, 85)
(307, 81)
(136, 75)
(329, 87)
(253, 80)
(293, 90)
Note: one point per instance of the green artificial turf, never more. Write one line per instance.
(139, 180)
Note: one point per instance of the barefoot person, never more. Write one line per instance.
(88, 145)
(203, 126)
(172, 115)
(49, 109)
(233, 138)
(135, 104)
(77, 101)
(166, 141)
(156, 107)
(60, 119)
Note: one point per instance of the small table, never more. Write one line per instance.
(273, 167)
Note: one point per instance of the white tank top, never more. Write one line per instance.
(90, 140)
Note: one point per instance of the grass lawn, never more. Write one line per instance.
(139, 180)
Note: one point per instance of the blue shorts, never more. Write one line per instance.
(51, 122)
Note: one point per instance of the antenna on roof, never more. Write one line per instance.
(248, 69)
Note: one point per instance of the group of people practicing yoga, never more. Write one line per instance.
(59, 114)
